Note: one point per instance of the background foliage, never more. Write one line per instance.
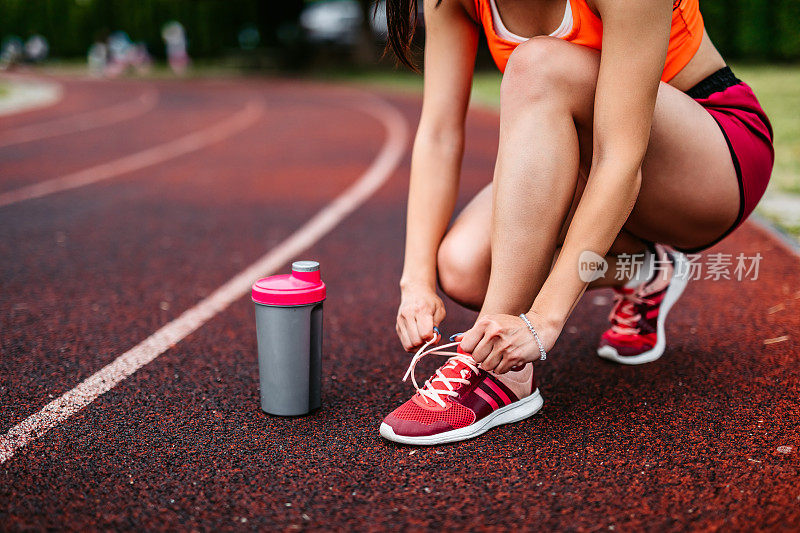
(742, 29)
(212, 26)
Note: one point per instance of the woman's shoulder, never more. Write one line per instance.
(470, 7)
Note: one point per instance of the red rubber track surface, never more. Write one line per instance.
(688, 442)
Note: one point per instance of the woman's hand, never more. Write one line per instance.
(503, 342)
(420, 310)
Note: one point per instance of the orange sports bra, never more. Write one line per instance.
(582, 26)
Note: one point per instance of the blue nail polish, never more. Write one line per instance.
(453, 337)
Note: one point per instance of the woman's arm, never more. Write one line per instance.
(635, 40)
(450, 45)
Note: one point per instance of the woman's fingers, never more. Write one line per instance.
(438, 315)
(413, 333)
(482, 350)
(479, 340)
(425, 326)
(415, 329)
(420, 310)
(403, 334)
(470, 339)
(492, 345)
(495, 358)
(510, 362)
(500, 344)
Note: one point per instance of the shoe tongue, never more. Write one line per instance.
(625, 307)
(453, 368)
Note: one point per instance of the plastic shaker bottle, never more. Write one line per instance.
(289, 329)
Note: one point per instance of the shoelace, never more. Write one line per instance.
(428, 391)
(624, 319)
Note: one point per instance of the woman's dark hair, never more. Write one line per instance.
(401, 20)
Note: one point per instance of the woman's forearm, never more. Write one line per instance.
(606, 203)
(433, 189)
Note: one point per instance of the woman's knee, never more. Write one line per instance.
(549, 71)
(535, 71)
(463, 276)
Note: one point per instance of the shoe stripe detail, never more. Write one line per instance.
(488, 399)
(478, 405)
(502, 386)
(497, 390)
(488, 390)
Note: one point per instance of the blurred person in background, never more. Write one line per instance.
(622, 133)
(120, 49)
(332, 22)
(350, 24)
(140, 59)
(97, 58)
(118, 55)
(249, 37)
(11, 52)
(175, 41)
(36, 49)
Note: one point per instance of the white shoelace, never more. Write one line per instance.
(428, 391)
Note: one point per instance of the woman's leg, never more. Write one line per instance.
(465, 257)
(689, 193)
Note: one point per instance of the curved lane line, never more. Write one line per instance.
(145, 158)
(173, 332)
(28, 94)
(81, 122)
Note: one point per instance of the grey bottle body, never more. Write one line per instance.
(289, 358)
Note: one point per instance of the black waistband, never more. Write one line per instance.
(716, 82)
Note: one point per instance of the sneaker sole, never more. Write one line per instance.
(676, 287)
(514, 412)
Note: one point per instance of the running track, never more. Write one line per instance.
(192, 183)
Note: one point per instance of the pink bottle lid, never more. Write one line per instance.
(302, 287)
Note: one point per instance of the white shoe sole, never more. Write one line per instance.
(676, 287)
(514, 412)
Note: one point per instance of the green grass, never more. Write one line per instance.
(3, 90)
(777, 87)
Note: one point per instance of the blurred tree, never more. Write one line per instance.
(365, 52)
(212, 26)
(742, 29)
(787, 16)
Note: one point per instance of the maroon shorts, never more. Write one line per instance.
(748, 132)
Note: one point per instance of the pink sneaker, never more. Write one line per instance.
(636, 335)
(460, 401)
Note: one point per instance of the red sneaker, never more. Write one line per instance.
(636, 335)
(460, 401)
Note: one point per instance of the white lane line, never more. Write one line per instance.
(81, 122)
(28, 94)
(151, 156)
(172, 333)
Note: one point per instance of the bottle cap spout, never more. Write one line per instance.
(306, 271)
(302, 287)
(305, 266)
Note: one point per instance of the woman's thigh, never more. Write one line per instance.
(690, 193)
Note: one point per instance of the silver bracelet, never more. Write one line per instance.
(542, 353)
